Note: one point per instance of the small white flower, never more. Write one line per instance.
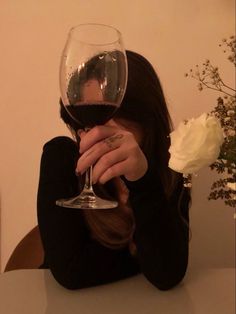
(195, 144)
(231, 185)
(231, 132)
(230, 113)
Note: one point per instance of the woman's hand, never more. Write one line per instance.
(113, 151)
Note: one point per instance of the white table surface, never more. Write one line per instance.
(206, 291)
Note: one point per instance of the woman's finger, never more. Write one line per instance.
(115, 170)
(108, 161)
(91, 156)
(96, 134)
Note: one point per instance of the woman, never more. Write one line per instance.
(148, 232)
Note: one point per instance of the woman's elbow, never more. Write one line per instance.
(166, 281)
(67, 279)
(66, 283)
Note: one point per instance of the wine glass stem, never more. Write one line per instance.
(88, 186)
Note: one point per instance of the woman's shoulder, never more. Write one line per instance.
(60, 146)
(60, 142)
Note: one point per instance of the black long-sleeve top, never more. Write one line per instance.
(76, 260)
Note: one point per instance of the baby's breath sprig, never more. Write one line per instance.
(208, 76)
(229, 46)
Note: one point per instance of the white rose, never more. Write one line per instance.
(195, 144)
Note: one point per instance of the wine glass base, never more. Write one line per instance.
(82, 202)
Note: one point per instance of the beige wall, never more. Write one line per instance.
(174, 35)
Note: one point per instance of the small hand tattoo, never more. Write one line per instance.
(110, 140)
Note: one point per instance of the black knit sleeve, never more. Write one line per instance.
(75, 259)
(162, 232)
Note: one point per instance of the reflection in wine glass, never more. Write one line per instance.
(92, 91)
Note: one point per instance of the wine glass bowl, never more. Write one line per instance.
(93, 78)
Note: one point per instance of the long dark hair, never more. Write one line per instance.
(143, 103)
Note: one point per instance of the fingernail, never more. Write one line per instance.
(79, 131)
(77, 173)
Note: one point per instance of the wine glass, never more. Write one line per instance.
(93, 78)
